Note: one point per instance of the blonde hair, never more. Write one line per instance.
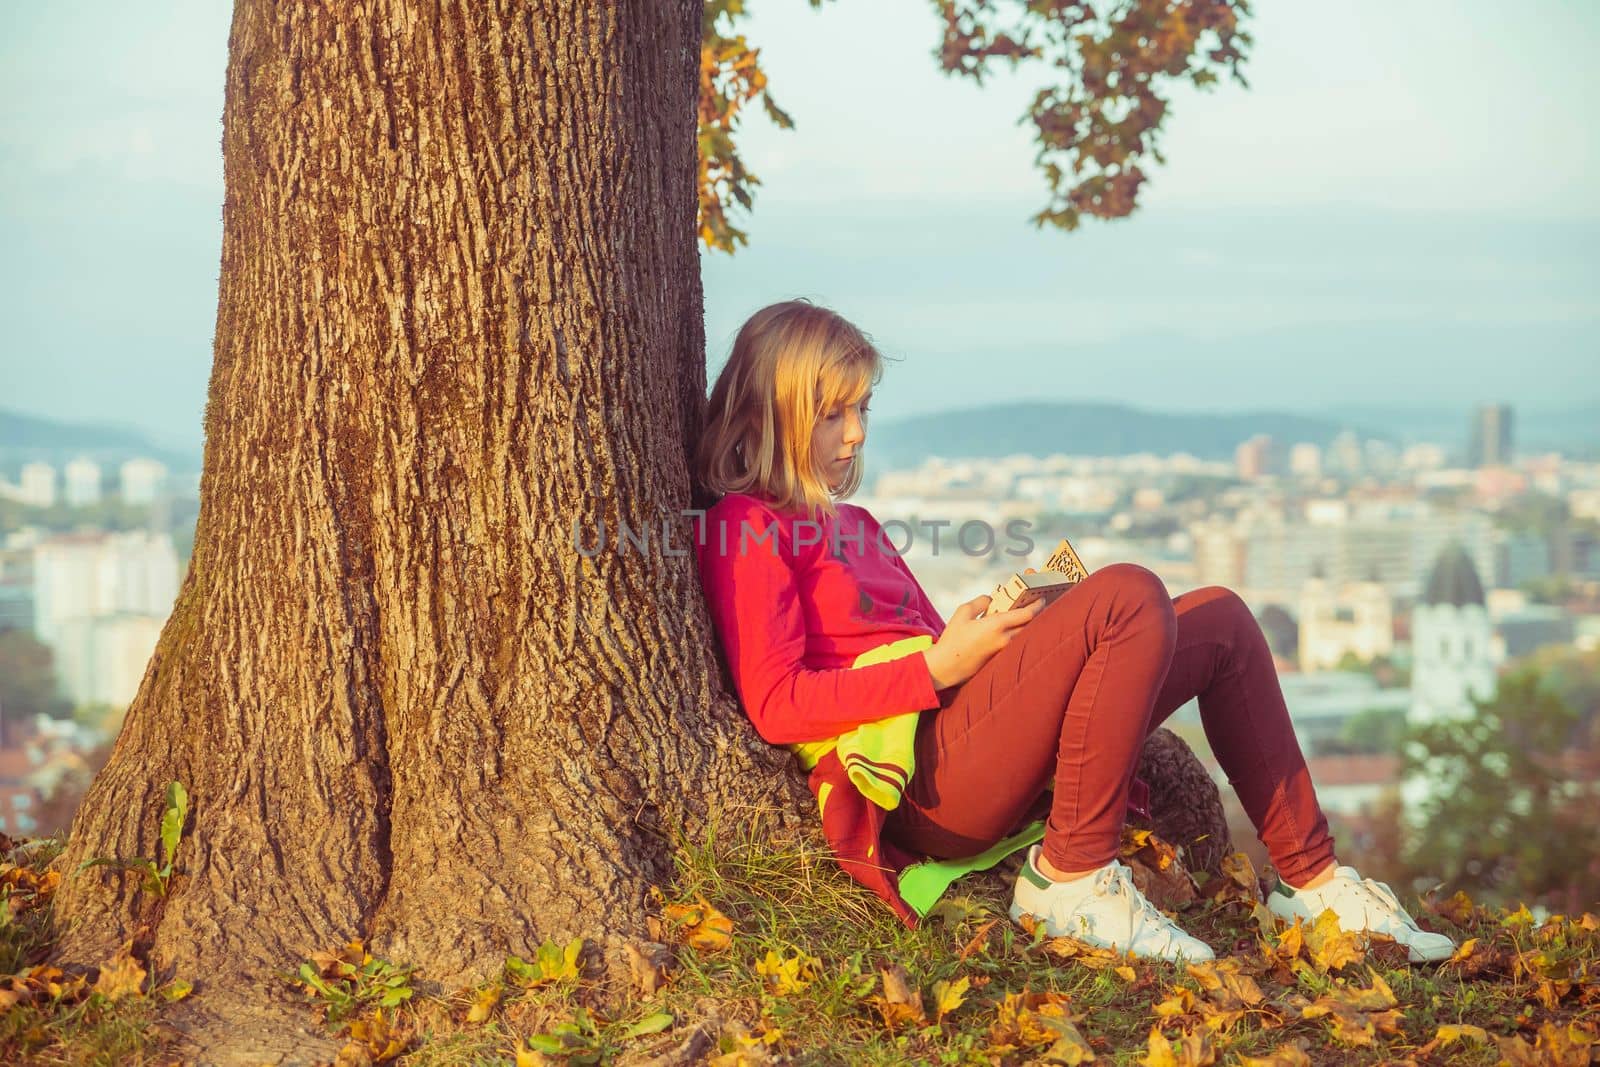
(791, 363)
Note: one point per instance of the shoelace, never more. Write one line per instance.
(1386, 896)
(1116, 881)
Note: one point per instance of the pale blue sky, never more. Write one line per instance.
(1401, 208)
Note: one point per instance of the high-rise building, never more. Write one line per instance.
(1491, 441)
(82, 483)
(1256, 458)
(143, 480)
(1305, 460)
(39, 485)
(99, 600)
(1345, 455)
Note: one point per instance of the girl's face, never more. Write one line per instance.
(837, 440)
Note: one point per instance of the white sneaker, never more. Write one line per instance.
(1361, 905)
(1104, 909)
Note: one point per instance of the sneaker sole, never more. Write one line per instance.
(1017, 913)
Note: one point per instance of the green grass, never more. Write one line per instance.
(1534, 990)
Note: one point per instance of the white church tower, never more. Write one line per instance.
(1452, 661)
(1452, 658)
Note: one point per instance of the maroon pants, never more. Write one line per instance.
(1073, 697)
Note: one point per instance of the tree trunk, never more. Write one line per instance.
(459, 313)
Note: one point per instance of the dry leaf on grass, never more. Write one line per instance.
(649, 961)
(484, 1003)
(701, 926)
(787, 974)
(1330, 948)
(1025, 1020)
(1091, 956)
(948, 996)
(1191, 1049)
(121, 976)
(1556, 1046)
(372, 1040)
(1358, 1015)
(900, 1004)
(979, 940)
(1288, 1054)
(1238, 881)
(1225, 983)
(1450, 1033)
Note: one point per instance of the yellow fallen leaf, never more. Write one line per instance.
(121, 976)
(1182, 1002)
(176, 990)
(1126, 973)
(788, 974)
(1226, 985)
(1069, 1047)
(1452, 1032)
(1081, 952)
(1521, 917)
(704, 928)
(1288, 1054)
(900, 1004)
(1458, 909)
(377, 1037)
(1330, 948)
(948, 996)
(1374, 998)
(484, 1003)
(1192, 1049)
(1158, 1050)
(1026, 1019)
(1241, 873)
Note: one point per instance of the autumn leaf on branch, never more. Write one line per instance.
(730, 77)
(1093, 128)
(1104, 117)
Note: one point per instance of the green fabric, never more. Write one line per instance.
(879, 757)
(922, 884)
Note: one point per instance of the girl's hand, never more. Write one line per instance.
(969, 642)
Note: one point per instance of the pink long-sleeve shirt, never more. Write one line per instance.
(795, 602)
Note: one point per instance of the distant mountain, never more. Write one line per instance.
(27, 438)
(1044, 428)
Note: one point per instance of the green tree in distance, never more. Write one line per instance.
(28, 685)
(1512, 815)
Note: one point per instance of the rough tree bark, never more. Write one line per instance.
(459, 312)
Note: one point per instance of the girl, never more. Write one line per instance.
(935, 738)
